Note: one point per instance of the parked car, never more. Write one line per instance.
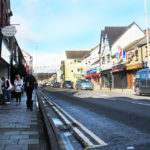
(56, 85)
(142, 82)
(84, 84)
(67, 84)
(48, 83)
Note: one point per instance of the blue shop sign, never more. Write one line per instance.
(145, 65)
(92, 71)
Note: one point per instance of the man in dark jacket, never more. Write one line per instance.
(30, 83)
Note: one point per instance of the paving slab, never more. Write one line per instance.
(16, 147)
(19, 127)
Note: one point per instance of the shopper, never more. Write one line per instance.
(18, 84)
(8, 87)
(30, 83)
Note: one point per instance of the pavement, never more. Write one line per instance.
(20, 128)
(115, 90)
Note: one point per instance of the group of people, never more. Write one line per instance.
(18, 87)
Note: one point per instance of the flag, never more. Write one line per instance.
(120, 51)
(124, 55)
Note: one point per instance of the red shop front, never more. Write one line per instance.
(94, 78)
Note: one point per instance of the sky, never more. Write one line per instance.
(49, 27)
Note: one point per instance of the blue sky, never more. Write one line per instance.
(49, 27)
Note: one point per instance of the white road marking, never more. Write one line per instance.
(140, 103)
(111, 99)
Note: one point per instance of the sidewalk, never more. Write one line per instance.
(121, 91)
(19, 127)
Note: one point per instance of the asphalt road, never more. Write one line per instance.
(122, 121)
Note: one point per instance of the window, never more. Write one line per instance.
(108, 58)
(149, 74)
(146, 52)
(79, 61)
(136, 55)
(144, 75)
(103, 60)
(138, 75)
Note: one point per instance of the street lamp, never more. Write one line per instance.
(147, 35)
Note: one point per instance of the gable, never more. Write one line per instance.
(132, 34)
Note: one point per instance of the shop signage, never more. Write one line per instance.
(92, 71)
(9, 31)
(134, 67)
(118, 68)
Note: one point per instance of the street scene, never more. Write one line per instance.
(121, 120)
(74, 75)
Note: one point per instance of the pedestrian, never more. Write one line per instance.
(29, 82)
(1, 92)
(18, 84)
(8, 87)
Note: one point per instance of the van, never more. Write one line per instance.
(142, 82)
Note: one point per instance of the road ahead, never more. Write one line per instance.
(122, 121)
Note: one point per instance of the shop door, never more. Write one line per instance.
(130, 80)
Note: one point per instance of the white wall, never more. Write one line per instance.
(93, 57)
(132, 34)
(105, 50)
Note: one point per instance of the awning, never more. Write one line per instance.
(92, 75)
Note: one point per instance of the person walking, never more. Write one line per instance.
(29, 82)
(18, 84)
(8, 87)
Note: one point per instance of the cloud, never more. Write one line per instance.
(25, 34)
(47, 59)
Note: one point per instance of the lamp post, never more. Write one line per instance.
(147, 35)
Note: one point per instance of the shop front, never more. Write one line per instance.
(131, 72)
(5, 61)
(93, 76)
(119, 79)
(106, 79)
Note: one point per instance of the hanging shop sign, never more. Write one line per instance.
(137, 66)
(118, 68)
(9, 31)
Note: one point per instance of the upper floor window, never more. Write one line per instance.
(103, 60)
(146, 51)
(79, 61)
(136, 55)
(108, 58)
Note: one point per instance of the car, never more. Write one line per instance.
(56, 85)
(48, 84)
(67, 84)
(84, 84)
(142, 82)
